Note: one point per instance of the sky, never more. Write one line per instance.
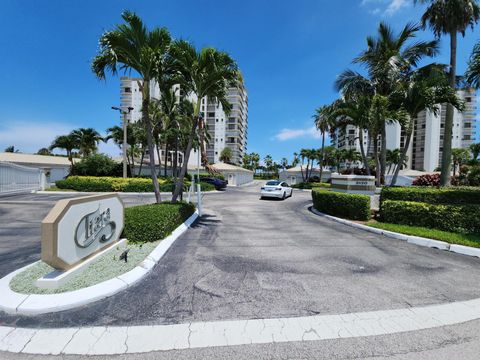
(290, 54)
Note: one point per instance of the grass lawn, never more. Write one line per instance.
(449, 237)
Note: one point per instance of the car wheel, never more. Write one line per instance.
(284, 195)
(291, 193)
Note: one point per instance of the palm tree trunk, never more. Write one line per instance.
(203, 152)
(377, 160)
(403, 154)
(447, 136)
(157, 145)
(141, 163)
(362, 151)
(166, 159)
(322, 156)
(148, 127)
(186, 157)
(383, 152)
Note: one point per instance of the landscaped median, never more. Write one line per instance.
(150, 230)
(419, 215)
(117, 184)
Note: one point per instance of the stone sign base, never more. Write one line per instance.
(58, 278)
(353, 184)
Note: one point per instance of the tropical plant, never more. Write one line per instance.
(226, 155)
(44, 151)
(207, 72)
(421, 90)
(67, 143)
(449, 17)
(131, 46)
(284, 163)
(87, 140)
(475, 149)
(459, 157)
(115, 133)
(324, 121)
(387, 57)
(268, 161)
(11, 149)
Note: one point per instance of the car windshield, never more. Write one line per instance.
(273, 183)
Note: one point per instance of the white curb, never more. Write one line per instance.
(111, 340)
(22, 304)
(417, 240)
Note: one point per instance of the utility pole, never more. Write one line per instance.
(124, 146)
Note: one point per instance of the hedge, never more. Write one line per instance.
(116, 184)
(447, 196)
(454, 218)
(310, 185)
(349, 206)
(154, 222)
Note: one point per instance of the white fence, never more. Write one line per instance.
(17, 179)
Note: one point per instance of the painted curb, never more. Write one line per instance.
(116, 340)
(22, 304)
(41, 192)
(417, 240)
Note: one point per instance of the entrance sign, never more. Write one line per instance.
(353, 184)
(77, 228)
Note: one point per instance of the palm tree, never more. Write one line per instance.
(295, 160)
(268, 161)
(324, 121)
(472, 74)
(44, 151)
(459, 158)
(87, 140)
(67, 143)
(421, 90)
(115, 133)
(247, 161)
(131, 46)
(11, 149)
(355, 111)
(226, 155)
(255, 158)
(207, 72)
(475, 149)
(449, 17)
(386, 58)
(284, 163)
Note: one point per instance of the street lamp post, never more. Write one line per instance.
(124, 147)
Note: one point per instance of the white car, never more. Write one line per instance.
(276, 189)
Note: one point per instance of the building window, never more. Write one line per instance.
(467, 125)
(466, 137)
(468, 99)
(217, 120)
(128, 90)
(423, 126)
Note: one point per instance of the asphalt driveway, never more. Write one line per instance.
(248, 258)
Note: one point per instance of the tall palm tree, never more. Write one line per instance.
(472, 74)
(387, 57)
(284, 163)
(87, 140)
(207, 72)
(115, 133)
(67, 143)
(255, 157)
(421, 90)
(355, 111)
(131, 46)
(324, 121)
(449, 17)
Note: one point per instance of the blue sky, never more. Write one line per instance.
(289, 52)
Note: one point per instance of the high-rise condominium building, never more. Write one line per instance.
(224, 131)
(426, 147)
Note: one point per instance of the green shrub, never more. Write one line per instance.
(118, 184)
(448, 196)
(153, 222)
(309, 185)
(97, 165)
(349, 206)
(455, 218)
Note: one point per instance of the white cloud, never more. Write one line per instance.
(288, 134)
(394, 6)
(384, 7)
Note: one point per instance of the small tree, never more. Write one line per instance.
(44, 151)
(459, 158)
(226, 155)
(11, 149)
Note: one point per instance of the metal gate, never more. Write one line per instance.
(17, 179)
